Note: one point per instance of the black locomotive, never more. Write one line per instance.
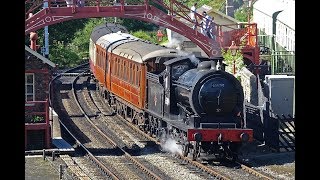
(199, 105)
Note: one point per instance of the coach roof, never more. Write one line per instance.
(133, 48)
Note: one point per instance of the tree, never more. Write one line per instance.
(63, 56)
(230, 58)
(80, 43)
(241, 14)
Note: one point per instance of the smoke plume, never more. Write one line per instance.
(170, 145)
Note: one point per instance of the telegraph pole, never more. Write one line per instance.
(45, 52)
(231, 11)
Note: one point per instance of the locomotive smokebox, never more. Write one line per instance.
(208, 91)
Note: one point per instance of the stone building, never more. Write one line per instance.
(38, 70)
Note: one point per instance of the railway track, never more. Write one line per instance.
(101, 117)
(68, 114)
(93, 138)
(238, 168)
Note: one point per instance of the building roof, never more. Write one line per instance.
(212, 11)
(39, 56)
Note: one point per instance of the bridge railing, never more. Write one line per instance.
(224, 34)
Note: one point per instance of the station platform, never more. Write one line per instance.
(62, 145)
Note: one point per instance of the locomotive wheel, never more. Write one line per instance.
(186, 150)
(196, 151)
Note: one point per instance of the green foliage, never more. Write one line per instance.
(136, 25)
(241, 14)
(229, 59)
(37, 119)
(217, 4)
(33, 118)
(143, 35)
(149, 36)
(80, 43)
(65, 31)
(62, 55)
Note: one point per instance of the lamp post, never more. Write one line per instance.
(248, 3)
(233, 49)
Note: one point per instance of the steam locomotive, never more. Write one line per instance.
(170, 93)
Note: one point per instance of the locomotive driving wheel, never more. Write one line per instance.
(196, 151)
(185, 149)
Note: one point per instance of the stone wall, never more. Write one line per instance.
(42, 80)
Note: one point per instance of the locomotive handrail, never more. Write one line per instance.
(153, 77)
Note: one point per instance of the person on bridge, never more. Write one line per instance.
(207, 25)
(80, 3)
(69, 3)
(193, 16)
(212, 29)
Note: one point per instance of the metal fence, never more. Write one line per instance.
(280, 60)
(276, 131)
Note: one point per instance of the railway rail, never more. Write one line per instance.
(101, 161)
(99, 109)
(244, 168)
(149, 172)
(107, 174)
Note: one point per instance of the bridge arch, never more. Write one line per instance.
(143, 11)
(147, 13)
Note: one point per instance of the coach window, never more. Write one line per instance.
(138, 76)
(130, 71)
(133, 74)
(101, 63)
(99, 58)
(127, 72)
(29, 87)
(117, 67)
(103, 59)
(112, 66)
(121, 70)
(124, 71)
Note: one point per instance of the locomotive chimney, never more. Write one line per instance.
(213, 64)
(218, 66)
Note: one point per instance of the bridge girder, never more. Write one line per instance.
(51, 16)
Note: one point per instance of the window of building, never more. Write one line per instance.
(29, 87)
